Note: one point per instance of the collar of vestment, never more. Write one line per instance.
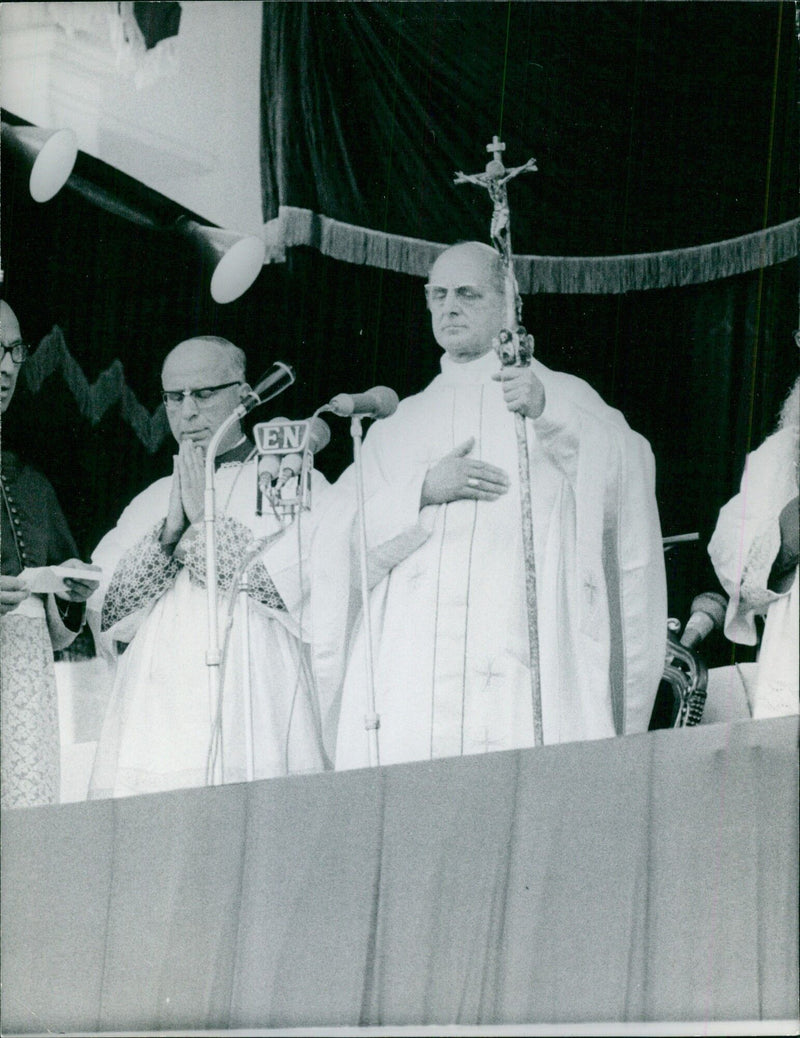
(473, 373)
(239, 452)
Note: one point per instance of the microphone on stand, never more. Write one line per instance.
(279, 377)
(707, 614)
(319, 436)
(286, 450)
(269, 465)
(378, 402)
(290, 467)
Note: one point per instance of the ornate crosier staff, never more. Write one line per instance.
(515, 348)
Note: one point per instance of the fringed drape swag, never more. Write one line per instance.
(559, 274)
(665, 136)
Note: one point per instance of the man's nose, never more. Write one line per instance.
(189, 404)
(452, 303)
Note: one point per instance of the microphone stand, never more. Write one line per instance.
(250, 768)
(213, 654)
(372, 721)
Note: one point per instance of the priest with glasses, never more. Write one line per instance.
(32, 625)
(161, 729)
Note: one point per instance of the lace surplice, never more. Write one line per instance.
(147, 570)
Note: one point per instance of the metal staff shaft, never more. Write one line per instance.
(494, 180)
(523, 458)
(531, 599)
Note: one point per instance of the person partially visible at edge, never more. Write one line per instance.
(161, 730)
(754, 551)
(34, 533)
(446, 560)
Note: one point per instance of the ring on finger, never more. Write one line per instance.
(472, 481)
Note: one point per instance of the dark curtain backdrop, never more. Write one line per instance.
(700, 371)
(655, 125)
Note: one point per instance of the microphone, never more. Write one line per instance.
(319, 436)
(290, 467)
(378, 402)
(707, 615)
(269, 466)
(281, 444)
(279, 377)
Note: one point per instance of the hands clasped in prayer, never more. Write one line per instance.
(186, 494)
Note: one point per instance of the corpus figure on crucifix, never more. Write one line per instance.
(515, 341)
(494, 179)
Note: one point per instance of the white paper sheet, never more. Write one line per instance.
(44, 579)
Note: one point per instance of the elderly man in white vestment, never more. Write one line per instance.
(447, 571)
(161, 730)
(754, 550)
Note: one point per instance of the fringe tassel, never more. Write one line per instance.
(591, 275)
(94, 400)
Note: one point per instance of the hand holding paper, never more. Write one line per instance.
(73, 580)
(12, 592)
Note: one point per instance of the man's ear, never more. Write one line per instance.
(244, 390)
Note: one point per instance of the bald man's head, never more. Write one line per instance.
(206, 376)
(202, 347)
(466, 298)
(481, 253)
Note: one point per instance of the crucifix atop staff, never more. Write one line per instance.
(494, 179)
(515, 347)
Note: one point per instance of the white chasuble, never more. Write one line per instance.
(449, 618)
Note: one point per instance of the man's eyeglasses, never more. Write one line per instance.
(19, 351)
(173, 398)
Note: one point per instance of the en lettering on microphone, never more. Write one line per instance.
(286, 448)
